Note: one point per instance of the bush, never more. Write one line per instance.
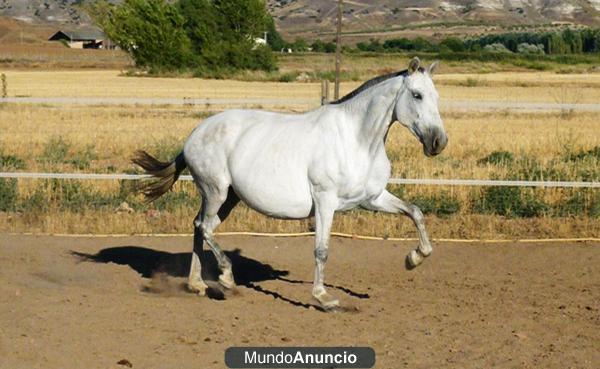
(497, 158)
(510, 201)
(82, 159)
(11, 162)
(8, 194)
(55, 150)
(323, 47)
(58, 150)
(593, 153)
(526, 48)
(441, 205)
(496, 48)
(574, 205)
(174, 200)
(594, 210)
(453, 44)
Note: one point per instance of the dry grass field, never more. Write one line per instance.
(100, 139)
(523, 87)
(52, 56)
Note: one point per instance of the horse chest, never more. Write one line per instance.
(359, 185)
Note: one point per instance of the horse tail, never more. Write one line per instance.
(165, 173)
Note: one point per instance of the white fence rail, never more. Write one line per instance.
(409, 181)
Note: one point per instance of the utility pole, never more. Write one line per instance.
(338, 51)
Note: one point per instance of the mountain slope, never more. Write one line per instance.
(317, 18)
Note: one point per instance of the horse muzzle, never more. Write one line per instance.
(435, 142)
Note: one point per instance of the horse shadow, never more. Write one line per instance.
(247, 271)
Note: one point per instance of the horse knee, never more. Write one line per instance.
(321, 254)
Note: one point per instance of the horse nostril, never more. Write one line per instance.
(435, 144)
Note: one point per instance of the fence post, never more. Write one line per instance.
(4, 85)
(324, 92)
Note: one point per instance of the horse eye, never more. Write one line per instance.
(417, 96)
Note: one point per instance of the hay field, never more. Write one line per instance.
(100, 139)
(53, 55)
(521, 87)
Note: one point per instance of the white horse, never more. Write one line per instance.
(293, 166)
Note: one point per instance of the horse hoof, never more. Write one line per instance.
(197, 287)
(327, 301)
(226, 280)
(413, 259)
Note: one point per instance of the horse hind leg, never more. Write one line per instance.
(217, 205)
(195, 281)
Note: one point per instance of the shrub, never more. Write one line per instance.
(441, 205)
(574, 205)
(510, 201)
(453, 44)
(497, 158)
(174, 200)
(525, 48)
(82, 159)
(55, 150)
(593, 153)
(8, 194)
(496, 48)
(473, 82)
(11, 162)
(37, 202)
(594, 210)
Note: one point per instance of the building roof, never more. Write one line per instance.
(84, 34)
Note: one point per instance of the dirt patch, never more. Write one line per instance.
(120, 302)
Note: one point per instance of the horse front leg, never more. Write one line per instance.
(325, 205)
(391, 204)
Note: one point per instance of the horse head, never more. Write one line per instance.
(416, 108)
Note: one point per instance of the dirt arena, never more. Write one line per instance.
(94, 302)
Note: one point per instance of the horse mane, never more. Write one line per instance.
(370, 83)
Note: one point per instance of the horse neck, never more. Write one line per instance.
(371, 112)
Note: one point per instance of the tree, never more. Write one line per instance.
(151, 31)
(556, 44)
(200, 24)
(323, 47)
(210, 36)
(453, 44)
(238, 24)
(274, 39)
(300, 45)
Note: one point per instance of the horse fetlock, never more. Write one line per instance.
(425, 249)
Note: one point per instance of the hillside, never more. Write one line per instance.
(368, 18)
(363, 19)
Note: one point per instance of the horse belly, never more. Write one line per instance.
(276, 196)
(269, 172)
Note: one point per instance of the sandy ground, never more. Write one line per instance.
(467, 306)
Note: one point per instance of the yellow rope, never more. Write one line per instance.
(305, 234)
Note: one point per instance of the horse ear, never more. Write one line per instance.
(433, 67)
(413, 66)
